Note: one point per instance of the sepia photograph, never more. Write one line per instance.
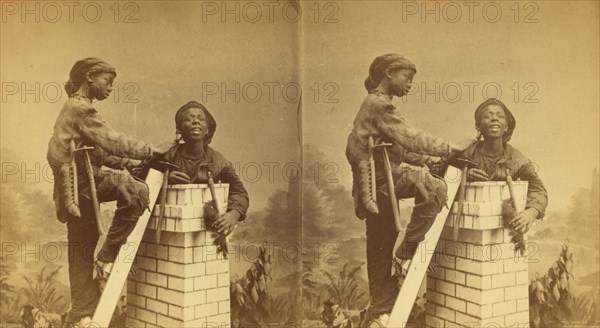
(300, 163)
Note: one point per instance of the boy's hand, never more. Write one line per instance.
(477, 175)
(523, 221)
(227, 222)
(177, 177)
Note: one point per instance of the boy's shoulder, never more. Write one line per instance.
(515, 155)
(77, 104)
(215, 156)
(378, 101)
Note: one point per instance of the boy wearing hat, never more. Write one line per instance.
(380, 121)
(79, 125)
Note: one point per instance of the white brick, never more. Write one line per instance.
(516, 292)
(503, 280)
(181, 255)
(224, 307)
(182, 212)
(139, 276)
(171, 296)
(206, 310)
(523, 305)
(164, 321)
(146, 290)
(147, 264)
(480, 268)
(217, 266)
(445, 288)
(474, 309)
(181, 284)
(522, 278)
(503, 308)
(466, 320)
(515, 264)
(137, 300)
(456, 304)
(434, 297)
(175, 311)
(223, 279)
(217, 294)
(157, 307)
(455, 276)
(146, 316)
(131, 312)
(156, 279)
(157, 251)
(130, 286)
(479, 296)
(195, 298)
(445, 313)
(181, 270)
(205, 282)
(517, 319)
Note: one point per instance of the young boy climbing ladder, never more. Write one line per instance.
(81, 137)
(377, 123)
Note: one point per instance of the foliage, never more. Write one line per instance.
(344, 289)
(251, 303)
(552, 302)
(42, 292)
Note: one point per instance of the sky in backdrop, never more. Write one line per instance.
(246, 60)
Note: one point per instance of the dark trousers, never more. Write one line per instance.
(430, 195)
(132, 199)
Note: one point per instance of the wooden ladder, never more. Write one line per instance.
(120, 270)
(420, 262)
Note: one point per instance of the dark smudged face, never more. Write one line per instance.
(101, 85)
(401, 81)
(194, 126)
(492, 123)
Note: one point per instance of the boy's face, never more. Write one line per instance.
(101, 85)
(194, 126)
(400, 81)
(492, 123)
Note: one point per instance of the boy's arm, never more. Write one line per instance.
(537, 196)
(395, 127)
(120, 163)
(93, 127)
(238, 196)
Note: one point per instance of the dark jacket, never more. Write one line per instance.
(521, 168)
(222, 171)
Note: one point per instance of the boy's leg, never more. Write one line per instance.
(430, 196)
(82, 236)
(381, 237)
(132, 200)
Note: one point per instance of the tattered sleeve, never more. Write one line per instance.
(238, 196)
(392, 125)
(94, 128)
(537, 196)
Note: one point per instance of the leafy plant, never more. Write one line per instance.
(344, 290)
(251, 303)
(42, 292)
(552, 303)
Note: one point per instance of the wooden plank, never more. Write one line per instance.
(120, 270)
(418, 269)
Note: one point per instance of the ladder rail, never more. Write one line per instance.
(120, 270)
(420, 262)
